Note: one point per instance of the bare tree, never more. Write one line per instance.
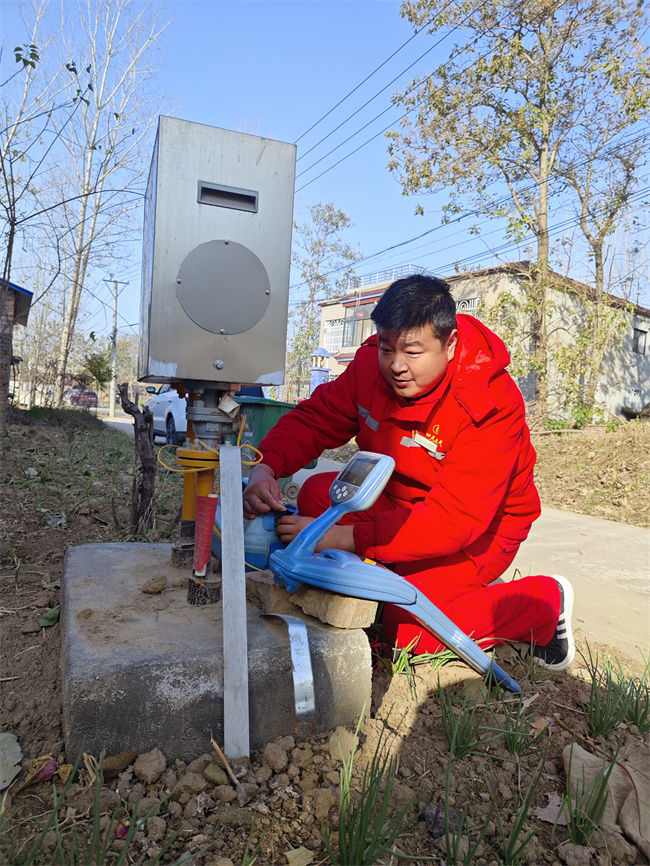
(629, 273)
(325, 264)
(37, 344)
(30, 99)
(107, 145)
(604, 187)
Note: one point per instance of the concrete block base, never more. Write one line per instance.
(143, 671)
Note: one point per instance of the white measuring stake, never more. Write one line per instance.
(236, 740)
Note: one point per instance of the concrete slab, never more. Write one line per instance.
(141, 671)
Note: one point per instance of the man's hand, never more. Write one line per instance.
(262, 493)
(336, 538)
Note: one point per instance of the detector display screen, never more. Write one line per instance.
(357, 470)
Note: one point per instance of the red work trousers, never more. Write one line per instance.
(460, 585)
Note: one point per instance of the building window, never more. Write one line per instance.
(358, 325)
(639, 341)
(333, 336)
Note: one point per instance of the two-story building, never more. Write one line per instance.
(625, 373)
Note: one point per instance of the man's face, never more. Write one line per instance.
(414, 362)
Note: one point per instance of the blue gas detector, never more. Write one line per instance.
(356, 488)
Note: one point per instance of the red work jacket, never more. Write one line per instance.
(464, 460)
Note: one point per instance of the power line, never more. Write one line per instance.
(457, 233)
(376, 117)
(381, 132)
(110, 307)
(392, 81)
(634, 138)
(113, 385)
(367, 78)
(505, 247)
(509, 245)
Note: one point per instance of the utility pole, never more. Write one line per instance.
(113, 386)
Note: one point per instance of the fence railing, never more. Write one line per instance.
(385, 276)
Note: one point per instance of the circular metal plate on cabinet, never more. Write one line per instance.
(223, 287)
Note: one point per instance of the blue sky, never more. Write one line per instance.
(275, 68)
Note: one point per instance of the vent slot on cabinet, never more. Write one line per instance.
(218, 195)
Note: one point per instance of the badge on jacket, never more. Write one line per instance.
(419, 440)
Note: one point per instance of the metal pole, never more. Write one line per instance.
(112, 388)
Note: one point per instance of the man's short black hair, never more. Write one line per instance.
(415, 301)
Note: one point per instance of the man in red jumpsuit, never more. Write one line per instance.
(431, 390)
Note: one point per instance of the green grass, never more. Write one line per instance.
(609, 699)
(69, 470)
(405, 662)
(638, 703)
(637, 691)
(463, 721)
(512, 834)
(519, 736)
(454, 838)
(367, 829)
(585, 809)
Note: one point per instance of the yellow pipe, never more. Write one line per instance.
(205, 482)
(195, 483)
(189, 497)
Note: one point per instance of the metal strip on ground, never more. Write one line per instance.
(303, 674)
(236, 737)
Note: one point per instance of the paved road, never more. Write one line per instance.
(608, 564)
(121, 421)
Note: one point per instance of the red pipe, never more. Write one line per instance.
(206, 509)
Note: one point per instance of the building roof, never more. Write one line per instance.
(344, 356)
(23, 302)
(522, 269)
(525, 269)
(353, 296)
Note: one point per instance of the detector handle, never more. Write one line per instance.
(355, 488)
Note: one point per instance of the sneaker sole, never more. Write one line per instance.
(567, 589)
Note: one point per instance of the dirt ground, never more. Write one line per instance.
(68, 482)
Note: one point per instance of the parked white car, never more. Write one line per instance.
(169, 414)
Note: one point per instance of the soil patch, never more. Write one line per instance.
(67, 480)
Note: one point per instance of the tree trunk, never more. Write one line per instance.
(538, 293)
(7, 317)
(142, 502)
(7, 313)
(598, 335)
(72, 308)
(82, 255)
(539, 290)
